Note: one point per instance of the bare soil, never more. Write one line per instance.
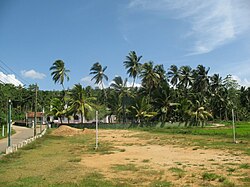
(154, 161)
(65, 130)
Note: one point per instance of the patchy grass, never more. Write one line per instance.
(178, 172)
(75, 160)
(127, 167)
(210, 176)
(244, 166)
(204, 138)
(145, 160)
(59, 157)
(160, 184)
(63, 163)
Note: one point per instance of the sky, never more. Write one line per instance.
(36, 33)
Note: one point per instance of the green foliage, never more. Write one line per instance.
(182, 94)
(210, 176)
(160, 184)
(10, 157)
(59, 72)
(178, 171)
(75, 160)
(127, 167)
(244, 166)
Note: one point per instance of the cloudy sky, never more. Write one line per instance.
(35, 33)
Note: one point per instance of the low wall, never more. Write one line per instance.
(15, 147)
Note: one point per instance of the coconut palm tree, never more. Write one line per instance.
(123, 94)
(133, 65)
(164, 104)
(59, 72)
(98, 71)
(142, 109)
(185, 77)
(150, 78)
(199, 115)
(57, 108)
(173, 74)
(201, 79)
(79, 103)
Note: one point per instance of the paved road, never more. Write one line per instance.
(21, 134)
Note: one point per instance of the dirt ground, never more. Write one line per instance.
(65, 130)
(139, 158)
(159, 162)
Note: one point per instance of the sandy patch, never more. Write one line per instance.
(65, 130)
(161, 158)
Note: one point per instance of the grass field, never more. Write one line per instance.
(152, 157)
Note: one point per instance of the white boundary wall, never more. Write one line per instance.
(14, 147)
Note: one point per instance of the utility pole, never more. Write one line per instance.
(9, 123)
(42, 122)
(35, 120)
(96, 130)
(233, 126)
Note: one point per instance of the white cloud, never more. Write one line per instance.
(129, 84)
(88, 82)
(9, 79)
(213, 23)
(242, 82)
(33, 74)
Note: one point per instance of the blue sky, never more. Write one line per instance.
(35, 33)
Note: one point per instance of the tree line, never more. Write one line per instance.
(179, 94)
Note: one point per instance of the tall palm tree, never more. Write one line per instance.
(201, 79)
(216, 82)
(173, 73)
(150, 78)
(199, 115)
(123, 93)
(79, 103)
(142, 109)
(98, 71)
(185, 78)
(59, 72)
(159, 69)
(133, 65)
(57, 108)
(164, 104)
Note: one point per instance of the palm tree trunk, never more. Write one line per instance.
(60, 119)
(133, 83)
(105, 94)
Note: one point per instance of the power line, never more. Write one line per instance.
(6, 73)
(23, 80)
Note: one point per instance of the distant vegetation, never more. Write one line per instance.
(178, 94)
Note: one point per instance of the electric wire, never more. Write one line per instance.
(7, 72)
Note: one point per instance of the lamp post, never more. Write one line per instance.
(96, 126)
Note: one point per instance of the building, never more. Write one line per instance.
(30, 117)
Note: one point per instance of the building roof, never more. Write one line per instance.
(32, 114)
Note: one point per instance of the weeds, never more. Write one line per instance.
(178, 171)
(244, 166)
(75, 160)
(127, 167)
